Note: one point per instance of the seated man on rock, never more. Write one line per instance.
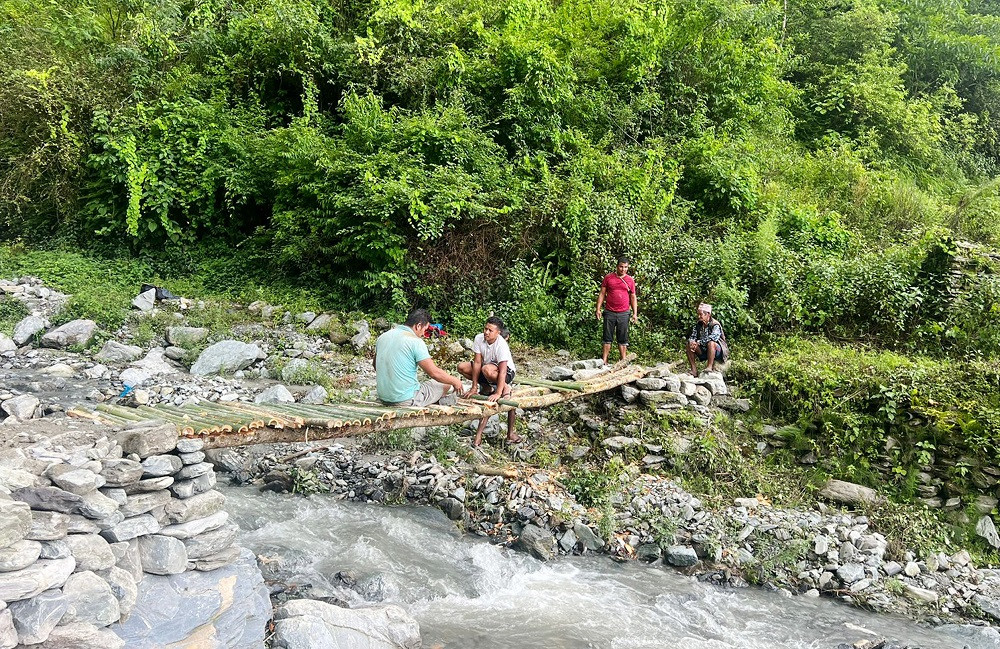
(493, 370)
(398, 354)
(707, 341)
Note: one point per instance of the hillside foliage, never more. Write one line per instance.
(808, 168)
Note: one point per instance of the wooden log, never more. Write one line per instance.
(485, 469)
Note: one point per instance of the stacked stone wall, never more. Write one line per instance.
(82, 527)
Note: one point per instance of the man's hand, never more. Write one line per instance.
(493, 398)
(598, 314)
(459, 388)
(635, 318)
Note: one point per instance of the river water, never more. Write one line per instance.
(466, 593)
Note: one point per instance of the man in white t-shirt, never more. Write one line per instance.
(493, 371)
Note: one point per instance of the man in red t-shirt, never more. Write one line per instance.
(617, 296)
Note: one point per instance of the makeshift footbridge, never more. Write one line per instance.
(228, 424)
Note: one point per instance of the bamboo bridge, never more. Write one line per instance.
(228, 424)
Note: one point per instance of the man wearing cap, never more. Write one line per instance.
(617, 297)
(707, 341)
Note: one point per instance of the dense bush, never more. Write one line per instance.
(800, 164)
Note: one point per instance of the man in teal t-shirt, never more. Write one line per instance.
(398, 354)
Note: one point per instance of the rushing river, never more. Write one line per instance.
(468, 594)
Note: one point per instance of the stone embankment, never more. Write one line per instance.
(103, 542)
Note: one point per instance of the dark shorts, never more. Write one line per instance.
(616, 324)
(703, 351)
(486, 388)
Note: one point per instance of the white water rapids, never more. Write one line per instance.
(466, 593)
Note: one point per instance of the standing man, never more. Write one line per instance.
(493, 370)
(617, 296)
(707, 341)
(398, 354)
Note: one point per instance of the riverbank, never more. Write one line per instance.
(699, 488)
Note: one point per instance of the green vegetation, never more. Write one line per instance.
(806, 166)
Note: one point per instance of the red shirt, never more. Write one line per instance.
(618, 292)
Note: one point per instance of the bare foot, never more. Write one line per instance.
(514, 439)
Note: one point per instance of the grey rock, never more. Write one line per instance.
(26, 329)
(620, 442)
(225, 356)
(73, 333)
(123, 587)
(154, 363)
(656, 398)
(920, 594)
(647, 552)
(317, 395)
(851, 572)
(848, 493)
(587, 537)
(116, 352)
(215, 561)
(171, 611)
(452, 508)
(141, 503)
(145, 442)
(629, 393)
(40, 576)
(20, 555)
(48, 499)
(131, 560)
(651, 383)
(275, 394)
(121, 472)
(194, 470)
(90, 599)
(186, 336)
(196, 526)
(57, 549)
(149, 484)
(301, 624)
(91, 552)
(156, 466)
(15, 522)
(536, 541)
(892, 569)
(174, 353)
(81, 635)
(134, 377)
(97, 505)
(568, 541)
(48, 526)
(702, 396)
(320, 323)
(21, 407)
(73, 480)
(209, 543)
(680, 556)
(162, 555)
(131, 528)
(986, 529)
(185, 445)
(8, 634)
(198, 485)
(145, 301)
(363, 337)
(192, 458)
(35, 618)
(7, 344)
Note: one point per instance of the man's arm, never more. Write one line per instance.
(600, 300)
(635, 307)
(501, 381)
(440, 375)
(477, 367)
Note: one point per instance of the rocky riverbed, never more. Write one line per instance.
(510, 496)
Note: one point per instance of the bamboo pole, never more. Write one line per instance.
(120, 412)
(554, 385)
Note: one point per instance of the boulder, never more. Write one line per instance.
(116, 352)
(77, 481)
(848, 493)
(154, 363)
(986, 529)
(225, 356)
(199, 485)
(22, 407)
(141, 503)
(157, 466)
(680, 556)
(186, 336)
(120, 472)
(19, 556)
(61, 370)
(40, 576)
(35, 618)
(851, 572)
(229, 605)
(275, 394)
(76, 333)
(587, 537)
(131, 528)
(26, 329)
(149, 441)
(536, 541)
(304, 624)
(317, 395)
(145, 301)
(320, 322)
(123, 587)
(213, 542)
(629, 393)
(656, 398)
(91, 552)
(162, 555)
(7, 344)
(49, 499)
(97, 506)
(81, 635)
(8, 634)
(15, 522)
(196, 526)
(91, 599)
(48, 526)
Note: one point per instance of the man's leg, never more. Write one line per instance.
(692, 350)
(431, 392)
(621, 333)
(465, 369)
(608, 335)
(712, 346)
(511, 435)
(479, 432)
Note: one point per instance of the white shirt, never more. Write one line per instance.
(496, 353)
